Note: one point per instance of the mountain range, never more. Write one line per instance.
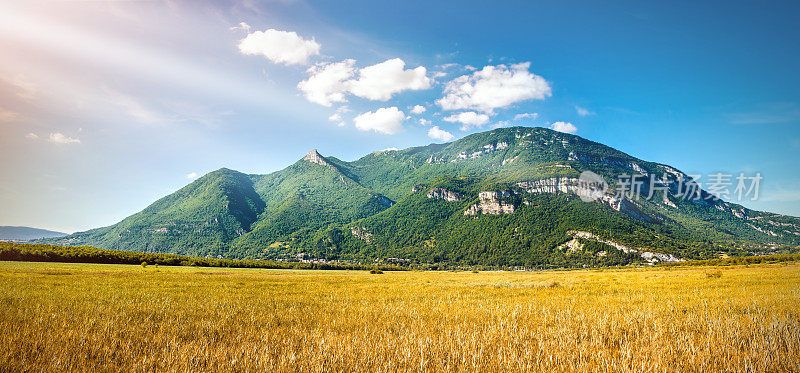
(508, 197)
(9, 233)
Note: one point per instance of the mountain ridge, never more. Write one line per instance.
(382, 205)
(20, 233)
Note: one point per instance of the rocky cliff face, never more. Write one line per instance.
(314, 157)
(649, 257)
(579, 187)
(447, 195)
(489, 202)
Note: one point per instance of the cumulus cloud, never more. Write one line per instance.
(526, 116)
(468, 119)
(424, 122)
(284, 47)
(60, 138)
(494, 87)
(331, 82)
(191, 175)
(327, 83)
(418, 109)
(381, 81)
(565, 127)
(439, 134)
(388, 120)
(583, 111)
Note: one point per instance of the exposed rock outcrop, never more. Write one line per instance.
(447, 195)
(361, 234)
(580, 187)
(489, 202)
(314, 157)
(649, 257)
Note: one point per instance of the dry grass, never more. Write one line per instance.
(116, 317)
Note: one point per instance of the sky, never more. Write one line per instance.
(106, 106)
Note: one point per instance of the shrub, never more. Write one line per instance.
(144, 264)
(376, 272)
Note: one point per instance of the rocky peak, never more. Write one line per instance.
(314, 157)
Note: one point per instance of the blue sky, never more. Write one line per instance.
(107, 106)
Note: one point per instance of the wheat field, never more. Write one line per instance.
(57, 317)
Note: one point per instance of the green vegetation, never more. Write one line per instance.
(742, 260)
(88, 254)
(365, 210)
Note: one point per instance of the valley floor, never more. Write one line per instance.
(57, 316)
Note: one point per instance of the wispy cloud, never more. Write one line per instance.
(525, 116)
(7, 116)
(60, 138)
(583, 111)
(784, 112)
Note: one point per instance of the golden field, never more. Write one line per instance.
(120, 317)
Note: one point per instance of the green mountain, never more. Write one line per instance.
(8, 233)
(511, 196)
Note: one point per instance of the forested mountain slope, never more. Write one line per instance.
(510, 196)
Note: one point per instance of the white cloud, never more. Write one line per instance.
(583, 111)
(327, 83)
(525, 116)
(60, 138)
(468, 119)
(32, 136)
(418, 109)
(388, 120)
(242, 26)
(284, 47)
(424, 122)
(380, 81)
(494, 87)
(439, 134)
(565, 127)
(336, 117)
(331, 82)
(191, 175)
(501, 124)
